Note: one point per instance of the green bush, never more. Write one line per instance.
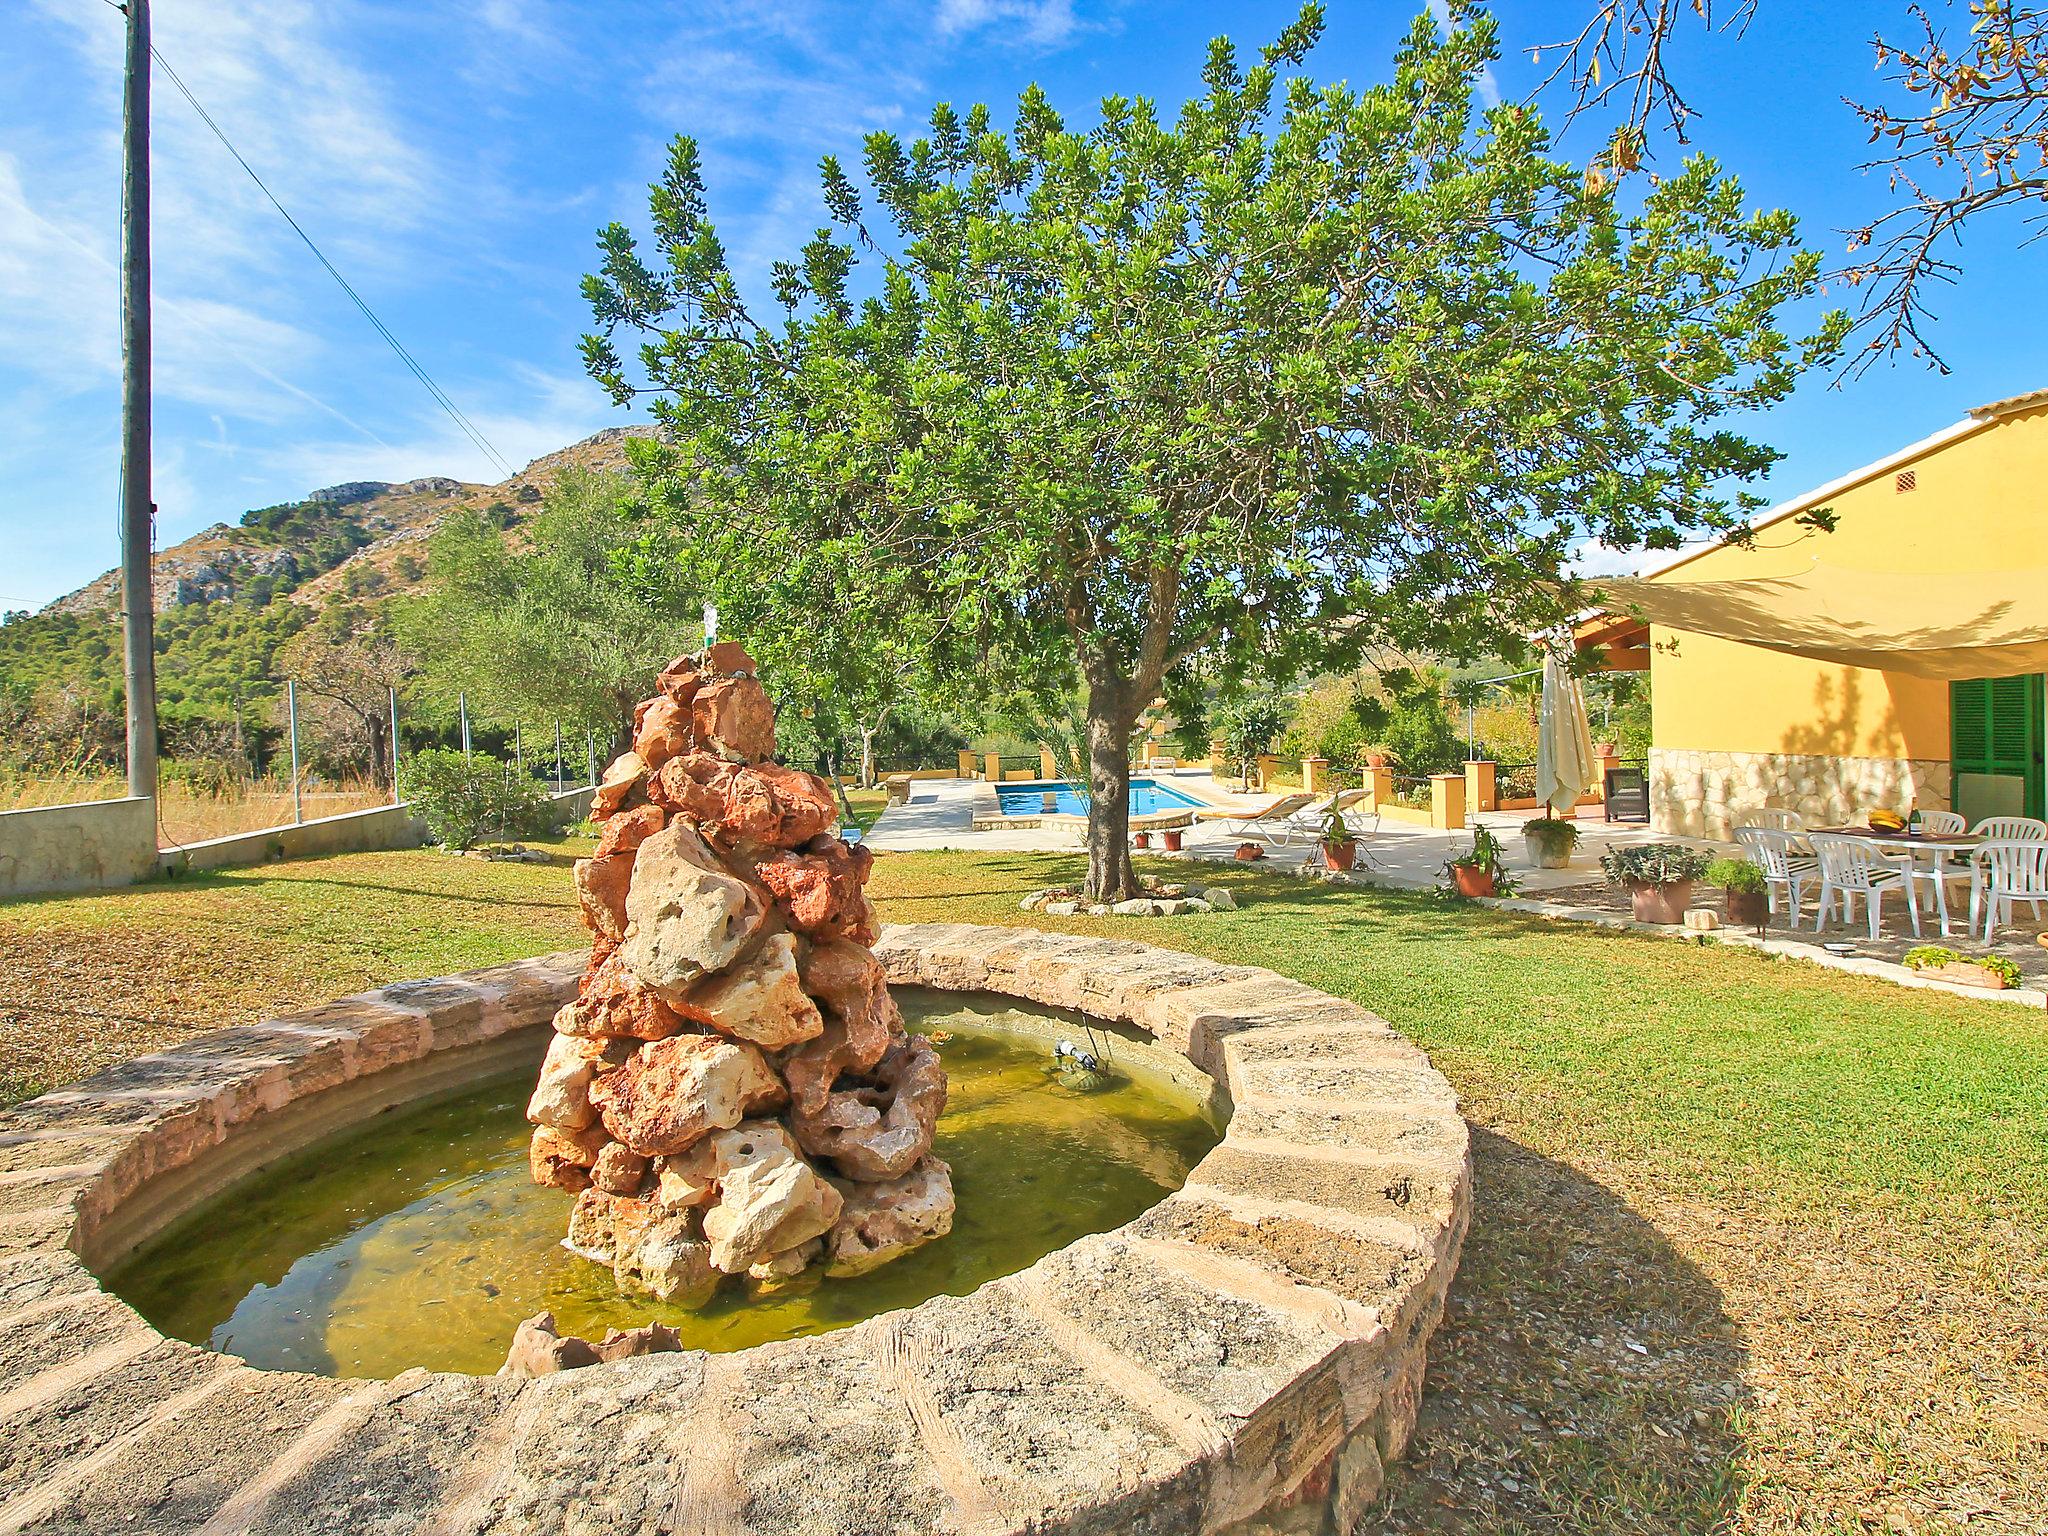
(465, 799)
(1735, 875)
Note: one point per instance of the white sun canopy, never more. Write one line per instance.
(1941, 624)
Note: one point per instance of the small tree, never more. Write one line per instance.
(1250, 726)
(348, 660)
(1246, 390)
(569, 619)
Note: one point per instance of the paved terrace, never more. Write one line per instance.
(939, 814)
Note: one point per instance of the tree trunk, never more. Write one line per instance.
(1110, 877)
(377, 728)
(867, 756)
(622, 734)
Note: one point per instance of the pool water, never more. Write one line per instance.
(1147, 796)
(419, 1239)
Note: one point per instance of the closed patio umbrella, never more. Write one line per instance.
(1564, 744)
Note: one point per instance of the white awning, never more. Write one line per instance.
(1940, 624)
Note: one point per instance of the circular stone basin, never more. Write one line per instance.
(421, 1239)
(1242, 1357)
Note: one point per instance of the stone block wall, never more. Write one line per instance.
(1707, 794)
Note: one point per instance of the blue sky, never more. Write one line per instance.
(455, 160)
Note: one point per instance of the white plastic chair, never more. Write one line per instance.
(1852, 867)
(1775, 852)
(1775, 819)
(2002, 872)
(2013, 829)
(2008, 829)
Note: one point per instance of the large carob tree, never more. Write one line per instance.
(1302, 369)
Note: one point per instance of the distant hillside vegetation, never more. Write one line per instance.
(231, 594)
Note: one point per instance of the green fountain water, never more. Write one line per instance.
(418, 1239)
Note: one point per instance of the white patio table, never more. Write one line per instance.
(1936, 848)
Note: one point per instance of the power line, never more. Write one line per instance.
(440, 396)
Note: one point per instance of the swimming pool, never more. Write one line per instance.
(1148, 796)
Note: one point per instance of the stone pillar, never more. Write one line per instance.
(966, 764)
(1479, 786)
(1381, 782)
(1269, 769)
(1219, 757)
(1312, 771)
(1047, 768)
(1447, 801)
(994, 765)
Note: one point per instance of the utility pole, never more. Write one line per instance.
(291, 705)
(137, 510)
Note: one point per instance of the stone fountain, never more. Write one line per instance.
(732, 1092)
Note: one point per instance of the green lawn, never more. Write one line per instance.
(1757, 1246)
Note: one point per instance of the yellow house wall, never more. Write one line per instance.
(1978, 505)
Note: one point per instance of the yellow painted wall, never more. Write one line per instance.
(1981, 503)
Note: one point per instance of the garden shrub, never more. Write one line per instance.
(465, 799)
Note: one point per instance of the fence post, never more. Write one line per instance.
(393, 699)
(1047, 768)
(994, 764)
(1447, 801)
(462, 708)
(590, 753)
(518, 749)
(291, 707)
(1480, 794)
(558, 757)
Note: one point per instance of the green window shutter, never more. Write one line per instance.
(1969, 705)
(1996, 732)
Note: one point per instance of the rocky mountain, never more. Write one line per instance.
(360, 538)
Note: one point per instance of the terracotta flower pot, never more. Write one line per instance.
(1141, 839)
(1375, 759)
(1250, 851)
(1472, 881)
(1969, 974)
(1171, 840)
(1746, 909)
(1341, 855)
(1661, 903)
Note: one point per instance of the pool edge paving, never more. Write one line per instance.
(1244, 1357)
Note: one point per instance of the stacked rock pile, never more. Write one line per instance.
(732, 1092)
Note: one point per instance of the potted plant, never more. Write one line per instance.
(1141, 839)
(1994, 972)
(1744, 901)
(1478, 871)
(1659, 877)
(1340, 846)
(1171, 838)
(1550, 840)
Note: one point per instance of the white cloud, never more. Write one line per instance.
(1489, 87)
(547, 411)
(1046, 23)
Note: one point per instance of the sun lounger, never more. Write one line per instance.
(1274, 822)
